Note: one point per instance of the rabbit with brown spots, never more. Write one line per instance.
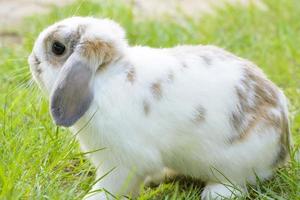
(198, 111)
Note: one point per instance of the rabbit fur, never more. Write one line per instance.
(199, 111)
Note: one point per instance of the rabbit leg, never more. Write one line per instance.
(160, 177)
(120, 182)
(218, 191)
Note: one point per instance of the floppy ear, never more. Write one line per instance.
(72, 93)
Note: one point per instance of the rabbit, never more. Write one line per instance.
(198, 111)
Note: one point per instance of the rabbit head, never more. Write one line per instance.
(65, 59)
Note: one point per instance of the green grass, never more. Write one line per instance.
(41, 161)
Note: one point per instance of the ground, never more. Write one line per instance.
(41, 161)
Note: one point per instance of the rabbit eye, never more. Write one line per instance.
(58, 48)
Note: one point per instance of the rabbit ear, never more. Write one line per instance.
(72, 93)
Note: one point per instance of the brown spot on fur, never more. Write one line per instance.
(282, 156)
(257, 97)
(286, 133)
(199, 115)
(183, 65)
(206, 59)
(265, 89)
(284, 143)
(146, 107)
(236, 120)
(131, 75)
(156, 90)
(98, 48)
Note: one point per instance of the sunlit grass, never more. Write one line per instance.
(41, 161)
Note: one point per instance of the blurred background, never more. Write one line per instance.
(41, 161)
(13, 12)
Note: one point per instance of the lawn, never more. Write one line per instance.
(41, 161)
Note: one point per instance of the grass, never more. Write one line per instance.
(41, 161)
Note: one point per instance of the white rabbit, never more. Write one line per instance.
(197, 110)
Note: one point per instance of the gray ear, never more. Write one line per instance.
(72, 93)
